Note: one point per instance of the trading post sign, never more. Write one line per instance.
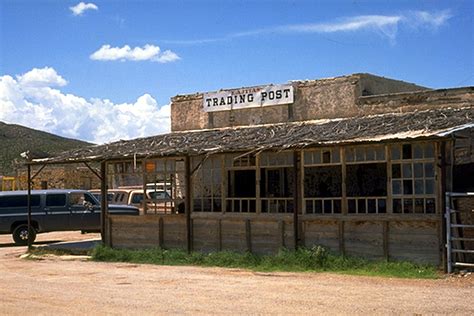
(248, 98)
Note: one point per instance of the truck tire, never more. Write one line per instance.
(20, 235)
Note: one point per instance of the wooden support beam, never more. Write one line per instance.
(296, 197)
(30, 241)
(281, 230)
(160, 232)
(37, 173)
(93, 170)
(187, 202)
(103, 201)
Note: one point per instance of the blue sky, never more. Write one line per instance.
(62, 64)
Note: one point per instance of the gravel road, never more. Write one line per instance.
(77, 286)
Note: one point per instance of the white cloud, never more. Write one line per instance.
(81, 7)
(43, 107)
(43, 77)
(386, 25)
(147, 52)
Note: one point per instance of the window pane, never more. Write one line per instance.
(317, 157)
(407, 187)
(361, 206)
(382, 204)
(397, 205)
(336, 155)
(380, 152)
(418, 170)
(429, 170)
(419, 206)
(429, 150)
(396, 152)
(396, 171)
(407, 172)
(308, 157)
(407, 151)
(337, 206)
(326, 156)
(318, 207)
(360, 154)
(430, 206)
(396, 187)
(417, 151)
(429, 186)
(407, 206)
(349, 154)
(351, 206)
(55, 199)
(419, 187)
(371, 208)
(370, 153)
(327, 207)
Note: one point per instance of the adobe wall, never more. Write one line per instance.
(59, 177)
(313, 99)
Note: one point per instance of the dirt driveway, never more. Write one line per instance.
(79, 287)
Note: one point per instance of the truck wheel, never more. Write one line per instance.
(20, 235)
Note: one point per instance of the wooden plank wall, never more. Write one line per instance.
(413, 240)
(147, 231)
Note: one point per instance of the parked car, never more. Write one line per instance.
(158, 201)
(52, 210)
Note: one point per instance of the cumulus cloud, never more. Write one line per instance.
(44, 107)
(147, 52)
(44, 77)
(81, 7)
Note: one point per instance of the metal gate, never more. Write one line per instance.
(459, 230)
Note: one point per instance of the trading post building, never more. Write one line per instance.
(360, 164)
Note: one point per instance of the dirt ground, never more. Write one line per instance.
(77, 286)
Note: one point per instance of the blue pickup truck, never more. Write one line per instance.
(52, 210)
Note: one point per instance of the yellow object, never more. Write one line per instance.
(8, 183)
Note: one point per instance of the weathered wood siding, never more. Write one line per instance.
(147, 231)
(415, 240)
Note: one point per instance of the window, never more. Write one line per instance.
(322, 181)
(19, 201)
(413, 178)
(241, 183)
(207, 179)
(56, 200)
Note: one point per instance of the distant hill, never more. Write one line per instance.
(15, 139)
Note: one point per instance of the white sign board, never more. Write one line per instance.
(248, 98)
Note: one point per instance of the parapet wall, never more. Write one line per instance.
(313, 99)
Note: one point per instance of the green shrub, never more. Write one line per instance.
(314, 259)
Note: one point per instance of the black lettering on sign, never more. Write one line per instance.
(250, 97)
(229, 99)
(264, 95)
(222, 101)
(271, 95)
(241, 98)
(208, 101)
(215, 102)
(278, 94)
(287, 93)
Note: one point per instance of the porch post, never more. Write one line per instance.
(296, 204)
(103, 201)
(30, 241)
(187, 202)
